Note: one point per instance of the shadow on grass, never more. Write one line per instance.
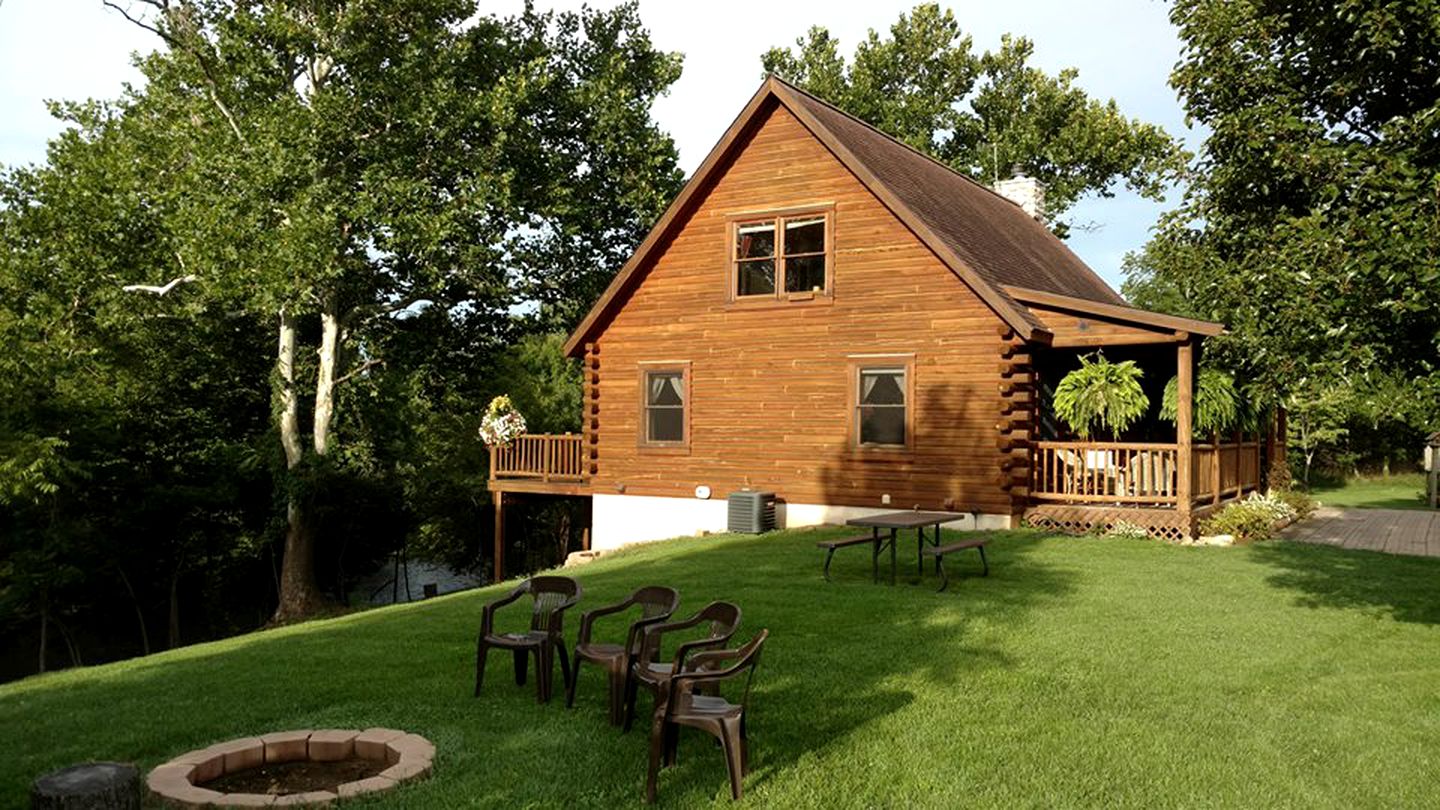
(1403, 587)
(842, 655)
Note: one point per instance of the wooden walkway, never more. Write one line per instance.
(1393, 531)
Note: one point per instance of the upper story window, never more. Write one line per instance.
(782, 256)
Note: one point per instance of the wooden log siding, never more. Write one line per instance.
(770, 384)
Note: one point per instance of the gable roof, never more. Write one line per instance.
(984, 238)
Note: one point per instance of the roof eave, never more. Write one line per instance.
(1128, 314)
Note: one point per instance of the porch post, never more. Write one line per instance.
(1215, 468)
(1282, 437)
(499, 537)
(1240, 461)
(1184, 455)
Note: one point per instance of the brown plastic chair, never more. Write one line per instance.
(681, 704)
(645, 667)
(550, 596)
(656, 603)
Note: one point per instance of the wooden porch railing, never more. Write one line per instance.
(1225, 470)
(542, 457)
(1104, 472)
(1140, 473)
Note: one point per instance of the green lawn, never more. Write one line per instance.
(1092, 672)
(1403, 491)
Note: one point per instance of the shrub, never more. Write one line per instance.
(1251, 520)
(1127, 530)
(1303, 504)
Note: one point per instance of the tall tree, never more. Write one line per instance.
(1309, 225)
(984, 113)
(348, 163)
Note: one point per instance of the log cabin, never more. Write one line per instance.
(832, 316)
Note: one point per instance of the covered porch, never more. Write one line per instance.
(1158, 475)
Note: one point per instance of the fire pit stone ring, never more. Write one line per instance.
(181, 781)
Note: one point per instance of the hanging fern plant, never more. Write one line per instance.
(1217, 403)
(1101, 394)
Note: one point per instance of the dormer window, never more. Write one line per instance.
(783, 256)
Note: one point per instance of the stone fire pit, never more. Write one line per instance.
(401, 755)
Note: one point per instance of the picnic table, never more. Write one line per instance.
(912, 519)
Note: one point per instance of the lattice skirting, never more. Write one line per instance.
(1165, 524)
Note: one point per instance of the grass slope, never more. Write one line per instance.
(1081, 672)
(1401, 491)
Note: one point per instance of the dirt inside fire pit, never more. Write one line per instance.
(300, 776)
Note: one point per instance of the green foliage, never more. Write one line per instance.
(1300, 503)
(1309, 222)
(547, 383)
(984, 113)
(1217, 405)
(1250, 520)
(1318, 413)
(1101, 394)
(440, 181)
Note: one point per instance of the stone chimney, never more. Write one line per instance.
(1026, 192)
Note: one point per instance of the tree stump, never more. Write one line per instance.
(91, 786)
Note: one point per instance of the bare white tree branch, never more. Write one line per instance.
(160, 290)
(360, 369)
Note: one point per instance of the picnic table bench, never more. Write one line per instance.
(857, 540)
(939, 552)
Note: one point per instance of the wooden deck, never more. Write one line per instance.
(542, 464)
(1392, 531)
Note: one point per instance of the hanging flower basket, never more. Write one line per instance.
(502, 424)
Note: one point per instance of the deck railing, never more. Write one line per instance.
(1104, 472)
(542, 457)
(1140, 473)
(1224, 471)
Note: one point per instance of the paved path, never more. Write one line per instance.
(1393, 531)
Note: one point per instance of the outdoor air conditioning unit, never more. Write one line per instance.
(751, 512)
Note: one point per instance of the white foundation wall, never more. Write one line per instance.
(619, 520)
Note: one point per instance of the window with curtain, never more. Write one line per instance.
(783, 256)
(665, 403)
(881, 404)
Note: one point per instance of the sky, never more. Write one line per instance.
(1123, 49)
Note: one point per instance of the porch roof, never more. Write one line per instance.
(1078, 322)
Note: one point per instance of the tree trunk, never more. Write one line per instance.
(44, 634)
(325, 378)
(139, 611)
(289, 402)
(299, 597)
(70, 644)
(173, 635)
(91, 786)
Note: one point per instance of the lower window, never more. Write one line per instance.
(665, 405)
(881, 398)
